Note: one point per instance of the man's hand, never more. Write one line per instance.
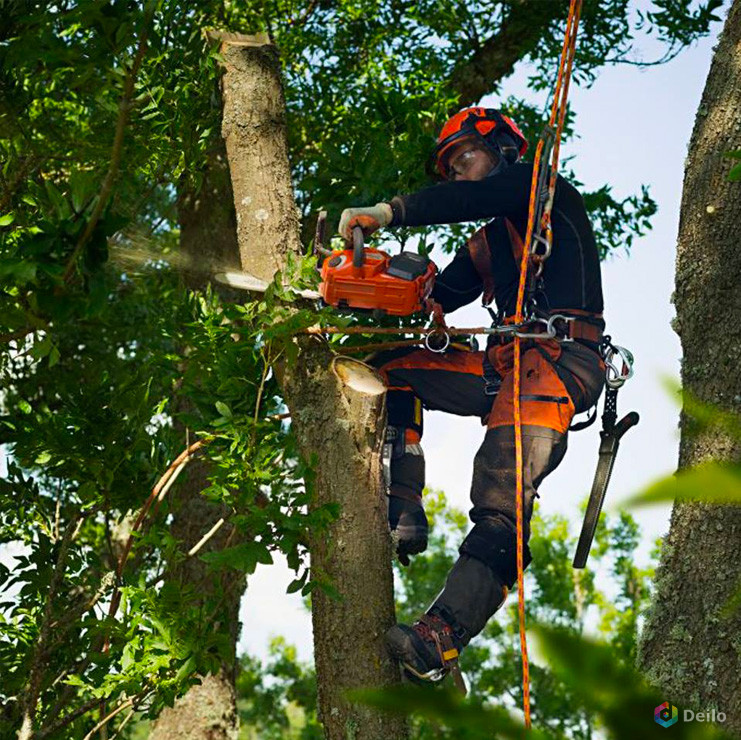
(369, 219)
(409, 526)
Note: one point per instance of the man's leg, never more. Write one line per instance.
(478, 582)
(451, 382)
(555, 383)
(487, 567)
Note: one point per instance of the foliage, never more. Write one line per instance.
(735, 174)
(97, 436)
(284, 706)
(712, 481)
(109, 117)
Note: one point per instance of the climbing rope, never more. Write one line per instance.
(531, 255)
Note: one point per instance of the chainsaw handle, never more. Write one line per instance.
(358, 247)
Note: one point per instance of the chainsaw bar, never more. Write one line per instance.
(245, 281)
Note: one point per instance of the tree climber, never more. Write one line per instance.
(478, 155)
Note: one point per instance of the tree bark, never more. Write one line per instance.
(208, 243)
(336, 409)
(688, 647)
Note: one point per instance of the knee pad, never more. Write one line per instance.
(495, 544)
(403, 463)
(404, 409)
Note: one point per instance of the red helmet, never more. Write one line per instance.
(497, 132)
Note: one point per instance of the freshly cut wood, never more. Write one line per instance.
(358, 376)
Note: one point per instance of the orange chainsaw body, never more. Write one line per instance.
(397, 285)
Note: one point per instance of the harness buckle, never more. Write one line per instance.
(561, 317)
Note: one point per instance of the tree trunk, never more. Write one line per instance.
(688, 647)
(207, 244)
(336, 408)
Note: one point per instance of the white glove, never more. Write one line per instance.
(369, 219)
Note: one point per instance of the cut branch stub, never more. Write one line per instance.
(358, 376)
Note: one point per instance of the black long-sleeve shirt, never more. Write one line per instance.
(571, 275)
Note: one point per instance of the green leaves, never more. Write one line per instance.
(712, 482)
(243, 557)
(735, 173)
(609, 689)
(467, 719)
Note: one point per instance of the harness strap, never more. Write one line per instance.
(446, 649)
(478, 248)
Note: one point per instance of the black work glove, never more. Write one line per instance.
(409, 527)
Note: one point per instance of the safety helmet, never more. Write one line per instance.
(488, 127)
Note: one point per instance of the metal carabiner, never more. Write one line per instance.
(438, 333)
(539, 239)
(550, 330)
(616, 378)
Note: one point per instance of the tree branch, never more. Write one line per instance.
(161, 483)
(123, 705)
(519, 34)
(206, 537)
(67, 719)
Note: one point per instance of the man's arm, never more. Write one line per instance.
(506, 194)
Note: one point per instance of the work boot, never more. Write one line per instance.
(429, 649)
(408, 524)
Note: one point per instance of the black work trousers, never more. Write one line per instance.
(558, 379)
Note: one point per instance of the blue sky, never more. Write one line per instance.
(634, 126)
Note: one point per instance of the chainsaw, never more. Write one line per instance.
(368, 279)
(360, 278)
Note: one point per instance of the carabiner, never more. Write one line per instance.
(550, 330)
(438, 333)
(539, 239)
(616, 378)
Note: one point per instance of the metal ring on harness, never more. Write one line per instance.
(560, 317)
(616, 378)
(437, 333)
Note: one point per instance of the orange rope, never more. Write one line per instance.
(558, 111)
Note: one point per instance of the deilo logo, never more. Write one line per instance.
(666, 714)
